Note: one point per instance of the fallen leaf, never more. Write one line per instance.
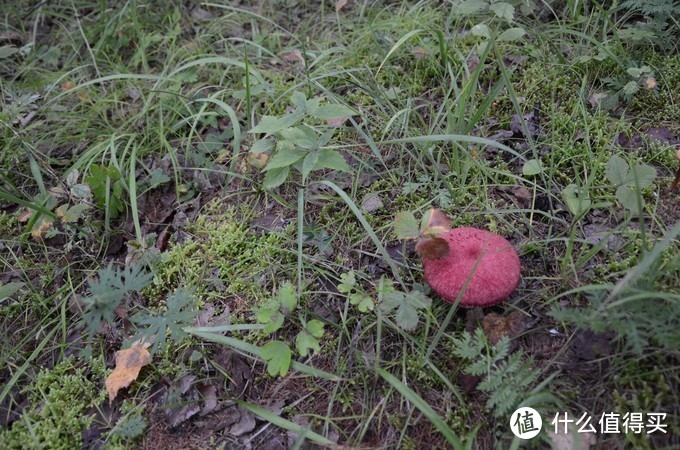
(25, 215)
(336, 121)
(419, 52)
(434, 222)
(650, 83)
(496, 327)
(339, 4)
(293, 56)
(41, 227)
(128, 364)
(432, 248)
(372, 203)
(596, 98)
(209, 394)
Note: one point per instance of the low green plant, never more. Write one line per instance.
(56, 415)
(297, 145)
(508, 379)
(107, 187)
(273, 314)
(405, 307)
(629, 181)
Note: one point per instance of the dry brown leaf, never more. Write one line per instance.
(44, 224)
(650, 83)
(419, 52)
(339, 4)
(432, 248)
(496, 327)
(336, 122)
(596, 98)
(292, 56)
(128, 364)
(434, 222)
(25, 215)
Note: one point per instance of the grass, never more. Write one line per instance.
(125, 136)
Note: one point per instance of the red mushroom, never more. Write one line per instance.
(490, 258)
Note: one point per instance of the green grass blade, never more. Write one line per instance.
(255, 351)
(423, 407)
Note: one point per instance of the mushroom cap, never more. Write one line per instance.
(495, 276)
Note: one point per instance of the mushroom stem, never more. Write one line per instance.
(675, 182)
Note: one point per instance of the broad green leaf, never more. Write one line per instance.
(363, 301)
(645, 176)
(275, 177)
(299, 99)
(315, 328)
(287, 298)
(629, 198)
(418, 299)
(468, 7)
(271, 317)
(272, 124)
(305, 342)
(577, 201)
(511, 34)
(285, 158)
(301, 136)
(72, 214)
(406, 226)
(481, 30)
(312, 106)
(532, 167)
(332, 111)
(616, 170)
(503, 10)
(309, 163)
(9, 289)
(347, 282)
(261, 146)
(330, 159)
(7, 50)
(277, 356)
(407, 316)
(391, 299)
(631, 88)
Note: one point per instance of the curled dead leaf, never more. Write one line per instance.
(339, 4)
(435, 221)
(128, 364)
(432, 248)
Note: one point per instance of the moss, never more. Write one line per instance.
(58, 400)
(227, 253)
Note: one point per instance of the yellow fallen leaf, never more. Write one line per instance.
(128, 364)
(41, 227)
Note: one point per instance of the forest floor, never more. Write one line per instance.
(200, 223)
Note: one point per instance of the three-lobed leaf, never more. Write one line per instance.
(277, 355)
(406, 225)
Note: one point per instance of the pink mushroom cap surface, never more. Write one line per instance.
(495, 276)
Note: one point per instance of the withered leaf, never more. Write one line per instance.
(339, 4)
(432, 248)
(435, 221)
(419, 52)
(293, 56)
(496, 327)
(128, 364)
